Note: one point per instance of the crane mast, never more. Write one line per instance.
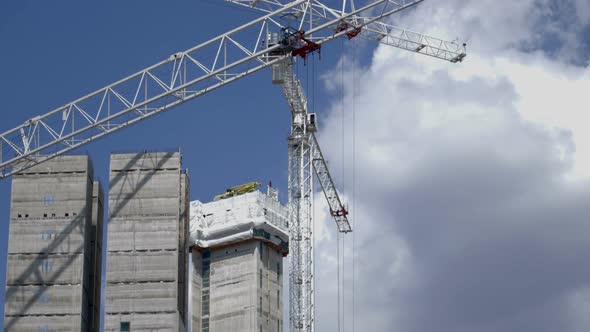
(304, 151)
(300, 205)
(269, 41)
(305, 158)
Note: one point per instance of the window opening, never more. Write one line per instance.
(125, 327)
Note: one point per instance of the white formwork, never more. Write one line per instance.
(236, 219)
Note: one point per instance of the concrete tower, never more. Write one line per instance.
(237, 263)
(147, 249)
(54, 248)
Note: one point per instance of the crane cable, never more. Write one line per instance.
(354, 87)
(339, 237)
(313, 92)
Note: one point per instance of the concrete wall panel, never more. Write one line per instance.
(146, 184)
(43, 300)
(61, 187)
(124, 267)
(64, 164)
(142, 322)
(47, 236)
(144, 233)
(44, 269)
(150, 160)
(70, 323)
(143, 297)
(144, 207)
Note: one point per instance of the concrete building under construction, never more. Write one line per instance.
(237, 263)
(147, 246)
(54, 248)
(231, 280)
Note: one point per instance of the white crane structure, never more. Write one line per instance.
(268, 41)
(305, 155)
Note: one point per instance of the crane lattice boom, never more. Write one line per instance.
(181, 77)
(367, 28)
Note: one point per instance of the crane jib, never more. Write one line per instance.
(48, 136)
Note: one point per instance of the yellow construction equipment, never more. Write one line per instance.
(238, 190)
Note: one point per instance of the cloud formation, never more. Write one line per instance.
(472, 188)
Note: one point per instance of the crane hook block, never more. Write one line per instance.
(175, 56)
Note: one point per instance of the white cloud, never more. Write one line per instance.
(472, 179)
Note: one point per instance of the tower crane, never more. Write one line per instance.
(305, 155)
(186, 75)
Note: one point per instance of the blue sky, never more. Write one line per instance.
(54, 52)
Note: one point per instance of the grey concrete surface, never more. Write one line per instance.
(241, 284)
(48, 323)
(55, 269)
(142, 297)
(150, 266)
(52, 249)
(157, 322)
(142, 233)
(38, 236)
(147, 250)
(48, 300)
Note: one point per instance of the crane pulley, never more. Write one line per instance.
(307, 47)
(294, 43)
(344, 25)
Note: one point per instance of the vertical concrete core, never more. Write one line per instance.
(237, 264)
(54, 248)
(147, 264)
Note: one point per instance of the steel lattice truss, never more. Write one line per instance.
(304, 155)
(171, 82)
(320, 167)
(301, 241)
(371, 29)
(305, 152)
(297, 101)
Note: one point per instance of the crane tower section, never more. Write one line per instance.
(305, 159)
